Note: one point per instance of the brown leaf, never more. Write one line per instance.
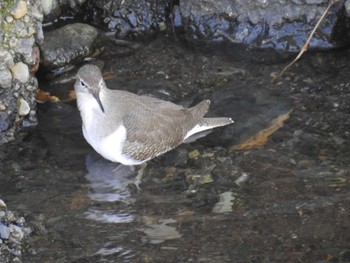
(261, 138)
(43, 96)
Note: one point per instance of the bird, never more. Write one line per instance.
(132, 129)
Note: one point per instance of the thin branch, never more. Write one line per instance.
(306, 45)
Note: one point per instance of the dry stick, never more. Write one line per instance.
(306, 45)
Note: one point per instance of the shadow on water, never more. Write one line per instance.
(285, 202)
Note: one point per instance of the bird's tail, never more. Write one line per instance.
(215, 122)
(206, 124)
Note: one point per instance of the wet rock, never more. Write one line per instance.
(51, 9)
(5, 122)
(36, 59)
(16, 232)
(20, 29)
(20, 10)
(128, 19)
(76, 42)
(23, 107)
(20, 71)
(4, 232)
(242, 180)
(5, 78)
(252, 108)
(261, 24)
(160, 232)
(347, 7)
(194, 154)
(13, 230)
(164, 90)
(2, 205)
(224, 204)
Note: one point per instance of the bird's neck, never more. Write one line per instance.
(89, 108)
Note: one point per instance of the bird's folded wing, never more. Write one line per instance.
(155, 129)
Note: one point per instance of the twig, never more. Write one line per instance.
(306, 45)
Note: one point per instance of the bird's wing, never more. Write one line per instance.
(154, 128)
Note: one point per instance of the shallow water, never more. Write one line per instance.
(285, 202)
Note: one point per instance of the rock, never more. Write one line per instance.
(4, 231)
(2, 204)
(20, 29)
(16, 232)
(261, 24)
(25, 46)
(48, 6)
(5, 78)
(13, 230)
(224, 204)
(136, 19)
(23, 107)
(347, 7)
(20, 71)
(254, 110)
(51, 10)
(6, 59)
(76, 42)
(36, 59)
(20, 10)
(194, 154)
(5, 121)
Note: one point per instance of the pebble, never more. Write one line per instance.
(5, 78)
(20, 71)
(194, 154)
(13, 42)
(20, 10)
(13, 230)
(4, 232)
(2, 203)
(23, 107)
(242, 180)
(6, 59)
(9, 19)
(16, 232)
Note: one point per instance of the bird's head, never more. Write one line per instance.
(90, 81)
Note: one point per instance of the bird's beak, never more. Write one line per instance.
(97, 97)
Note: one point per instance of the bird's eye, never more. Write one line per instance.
(82, 84)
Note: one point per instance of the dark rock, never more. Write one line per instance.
(164, 90)
(128, 19)
(277, 25)
(75, 42)
(4, 121)
(252, 108)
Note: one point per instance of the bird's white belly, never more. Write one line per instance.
(110, 147)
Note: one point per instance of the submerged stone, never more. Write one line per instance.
(254, 109)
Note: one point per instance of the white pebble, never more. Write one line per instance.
(20, 71)
(23, 107)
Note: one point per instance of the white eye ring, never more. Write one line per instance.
(82, 84)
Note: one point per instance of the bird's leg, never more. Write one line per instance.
(138, 179)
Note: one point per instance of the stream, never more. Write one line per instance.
(285, 201)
